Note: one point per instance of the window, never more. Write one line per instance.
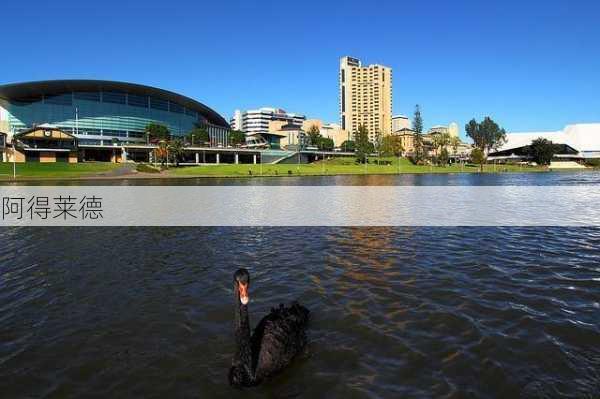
(137, 101)
(158, 103)
(89, 142)
(87, 95)
(191, 112)
(113, 97)
(114, 133)
(173, 107)
(61, 99)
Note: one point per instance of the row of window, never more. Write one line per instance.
(103, 132)
(104, 142)
(133, 100)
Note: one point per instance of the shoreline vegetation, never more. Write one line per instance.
(330, 167)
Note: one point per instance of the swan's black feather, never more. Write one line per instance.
(278, 338)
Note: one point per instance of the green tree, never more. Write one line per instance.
(314, 135)
(478, 157)
(440, 142)
(175, 148)
(198, 136)
(487, 135)
(542, 151)
(348, 146)
(391, 146)
(156, 131)
(419, 155)
(325, 144)
(363, 146)
(418, 120)
(378, 141)
(454, 143)
(237, 137)
(443, 157)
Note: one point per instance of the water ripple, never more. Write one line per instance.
(397, 312)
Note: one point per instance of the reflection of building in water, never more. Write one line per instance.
(371, 260)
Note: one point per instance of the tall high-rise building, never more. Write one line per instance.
(257, 121)
(365, 97)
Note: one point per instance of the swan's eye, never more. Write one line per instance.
(243, 288)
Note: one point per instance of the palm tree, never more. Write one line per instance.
(176, 148)
(440, 142)
(162, 152)
(454, 142)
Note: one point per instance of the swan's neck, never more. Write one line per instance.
(243, 356)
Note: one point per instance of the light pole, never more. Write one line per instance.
(76, 120)
(299, 149)
(14, 154)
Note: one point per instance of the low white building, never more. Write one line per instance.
(580, 141)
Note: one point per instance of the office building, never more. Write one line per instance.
(365, 97)
(257, 121)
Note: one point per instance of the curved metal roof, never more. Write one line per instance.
(32, 89)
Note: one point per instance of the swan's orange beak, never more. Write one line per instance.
(244, 298)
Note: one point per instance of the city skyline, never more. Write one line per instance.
(515, 62)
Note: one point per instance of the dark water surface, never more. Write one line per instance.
(397, 312)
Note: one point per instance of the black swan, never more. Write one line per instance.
(277, 339)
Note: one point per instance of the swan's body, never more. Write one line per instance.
(277, 339)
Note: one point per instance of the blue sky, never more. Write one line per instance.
(531, 65)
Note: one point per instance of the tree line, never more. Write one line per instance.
(171, 148)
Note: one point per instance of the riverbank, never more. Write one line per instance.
(36, 170)
(338, 166)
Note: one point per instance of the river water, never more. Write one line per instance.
(494, 312)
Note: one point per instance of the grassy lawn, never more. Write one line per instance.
(336, 166)
(146, 168)
(54, 170)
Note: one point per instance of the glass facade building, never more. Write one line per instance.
(105, 112)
